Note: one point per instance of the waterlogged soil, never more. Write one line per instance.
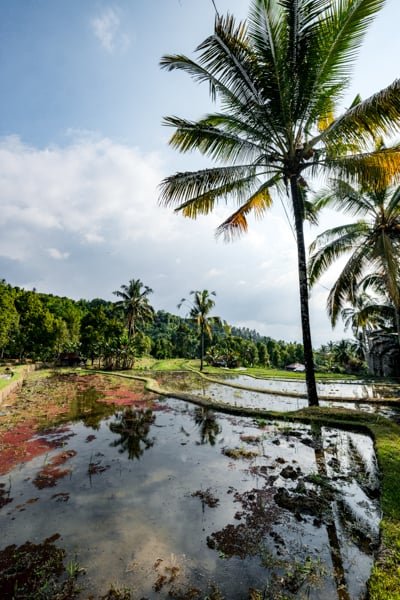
(280, 399)
(176, 501)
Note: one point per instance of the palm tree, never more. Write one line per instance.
(372, 243)
(279, 80)
(362, 315)
(135, 304)
(200, 307)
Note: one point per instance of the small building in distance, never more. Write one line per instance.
(296, 368)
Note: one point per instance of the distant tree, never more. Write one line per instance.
(200, 305)
(135, 304)
(263, 357)
(38, 331)
(9, 316)
(98, 327)
(184, 340)
(162, 348)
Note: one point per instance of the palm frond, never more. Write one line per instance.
(332, 244)
(346, 284)
(227, 54)
(258, 203)
(212, 141)
(207, 185)
(378, 115)
(372, 170)
(344, 196)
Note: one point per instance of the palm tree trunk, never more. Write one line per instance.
(201, 348)
(397, 321)
(303, 284)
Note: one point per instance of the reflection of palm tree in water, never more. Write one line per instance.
(133, 427)
(334, 544)
(208, 425)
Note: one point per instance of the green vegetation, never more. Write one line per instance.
(53, 329)
(200, 307)
(11, 374)
(372, 246)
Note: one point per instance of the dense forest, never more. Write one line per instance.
(110, 334)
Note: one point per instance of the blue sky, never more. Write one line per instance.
(82, 151)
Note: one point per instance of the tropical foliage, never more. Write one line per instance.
(135, 304)
(43, 326)
(367, 291)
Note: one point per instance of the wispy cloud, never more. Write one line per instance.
(107, 28)
(57, 254)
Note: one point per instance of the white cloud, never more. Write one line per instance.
(107, 28)
(57, 254)
(213, 272)
(98, 199)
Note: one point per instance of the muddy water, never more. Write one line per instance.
(170, 499)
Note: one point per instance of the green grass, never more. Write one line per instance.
(167, 364)
(177, 364)
(17, 370)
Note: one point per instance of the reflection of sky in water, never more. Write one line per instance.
(119, 522)
(238, 397)
(336, 389)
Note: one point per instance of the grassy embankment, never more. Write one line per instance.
(17, 371)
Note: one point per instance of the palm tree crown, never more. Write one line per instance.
(201, 305)
(135, 304)
(372, 244)
(278, 81)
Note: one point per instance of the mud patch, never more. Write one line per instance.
(258, 514)
(237, 453)
(34, 571)
(206, 497)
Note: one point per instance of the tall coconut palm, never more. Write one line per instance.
(201, 305)
(135, 304)
(279, 80)
(371, 243)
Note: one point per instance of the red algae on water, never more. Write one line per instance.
(125, 397)
(51, 472)
(19, 445)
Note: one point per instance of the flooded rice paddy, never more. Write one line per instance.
(173, 500)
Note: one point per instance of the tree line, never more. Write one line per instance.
(111, 335)
(44, 327)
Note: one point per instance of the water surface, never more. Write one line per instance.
(168, 498)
